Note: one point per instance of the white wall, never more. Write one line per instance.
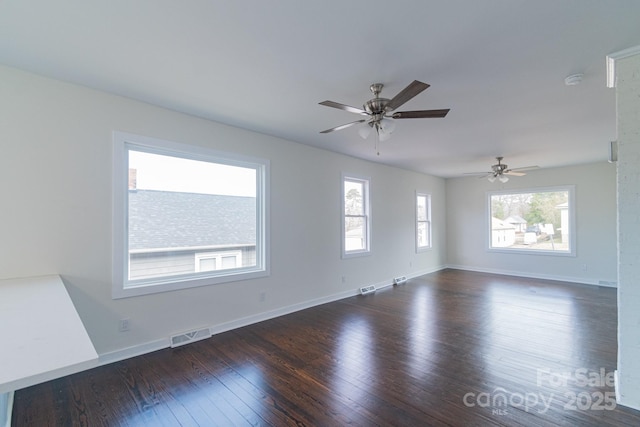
(628, 107)
(55, 184)
(595, 193)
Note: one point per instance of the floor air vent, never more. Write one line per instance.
(399, 280)
(367, 289)
(188, 337)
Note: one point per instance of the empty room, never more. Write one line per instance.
(411, 213)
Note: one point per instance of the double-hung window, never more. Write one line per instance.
(356, 221)
(186, 216)
(423, 221)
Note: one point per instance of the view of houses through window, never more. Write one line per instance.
(532, 221)
(188, 216)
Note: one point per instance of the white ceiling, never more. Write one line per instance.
(265, 65)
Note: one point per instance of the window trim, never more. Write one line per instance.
(366, 181)
(122, 142)
(428, 221)
(522, 251)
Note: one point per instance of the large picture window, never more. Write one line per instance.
(185, 216)
(532, 221)
(356, 216)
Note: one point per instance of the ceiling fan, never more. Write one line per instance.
(500, 171)
(380, 111)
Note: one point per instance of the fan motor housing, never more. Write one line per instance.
(375, 105)
(499, 168)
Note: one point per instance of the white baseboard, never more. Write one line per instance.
(272, 314)
(423, 272)
(151, 346)
(501, 272)
(138, 350)
(133, 351)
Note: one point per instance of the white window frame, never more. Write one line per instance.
(366, 185)
(122, 287)
(428, 246)
(571, 252)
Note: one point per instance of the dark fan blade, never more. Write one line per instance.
(343, 107)
(406, 94)
(343, 126)
(421, 114)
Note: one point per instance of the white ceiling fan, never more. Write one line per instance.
(500, 171)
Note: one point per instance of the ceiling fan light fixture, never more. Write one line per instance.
(384, 136)
(387, 125)
(503, 178)
(365, 130)
(491, 178)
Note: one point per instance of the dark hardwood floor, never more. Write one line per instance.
(450, 348)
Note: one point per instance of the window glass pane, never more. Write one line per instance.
(355, 234)
(422, 208)
(179, 206)
(423, 234)
(531, 221)
(228, 262)
(354, 198)
(207, 264)
(355, 207)
(423, 221)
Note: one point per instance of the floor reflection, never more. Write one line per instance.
(422, 332)
(535, 313)
(355, 358)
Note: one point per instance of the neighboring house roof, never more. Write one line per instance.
(516, 219)
(499, 224)
(167, 219)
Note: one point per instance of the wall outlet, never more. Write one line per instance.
(263, 296)
(125, 325)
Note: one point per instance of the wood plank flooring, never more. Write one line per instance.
(452, 348)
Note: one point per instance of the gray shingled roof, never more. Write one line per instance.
(165, 219)
(516, 219)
